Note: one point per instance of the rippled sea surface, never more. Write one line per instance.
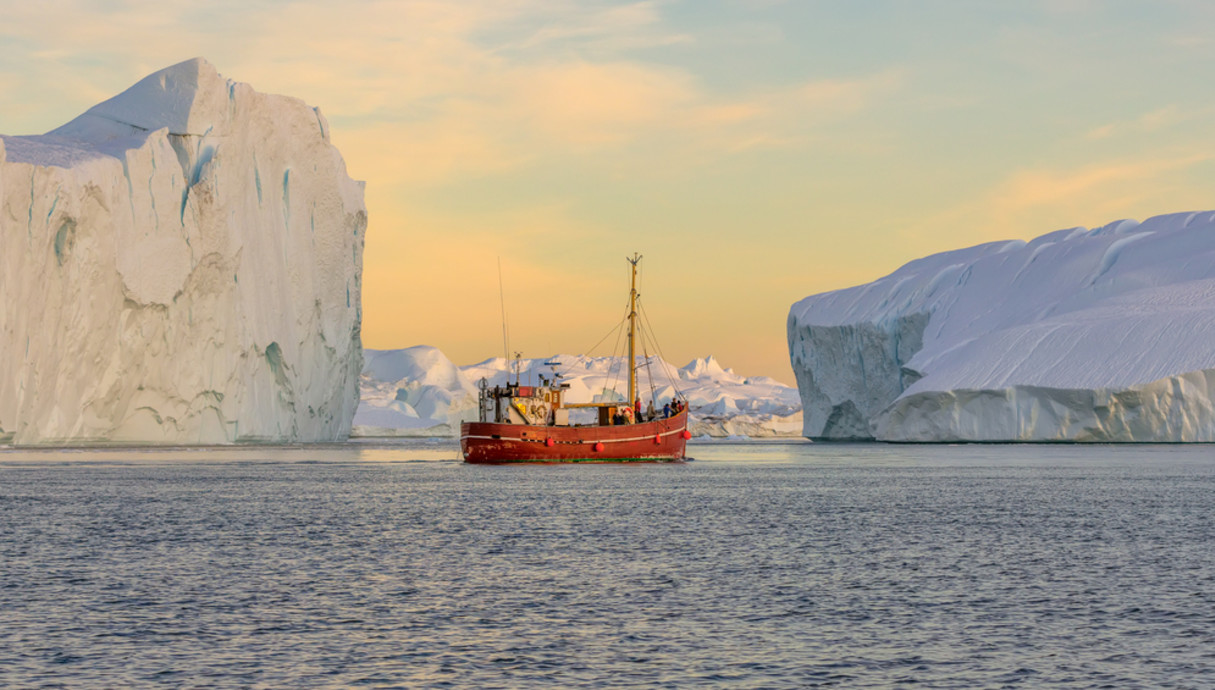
(757, 565)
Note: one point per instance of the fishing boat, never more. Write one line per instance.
(531, 424)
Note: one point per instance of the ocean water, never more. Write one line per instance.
(756, 565)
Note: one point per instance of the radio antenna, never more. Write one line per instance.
(502, 299)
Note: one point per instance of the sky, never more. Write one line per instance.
(754, 152)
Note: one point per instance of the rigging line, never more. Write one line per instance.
(658, 347)
(646, 340)
(645, 352)
(664, 366)
(612, 358)
(649, 372)
(502, 297)
(615, 348)
(673, 377)
(613, 329)
(616, 367)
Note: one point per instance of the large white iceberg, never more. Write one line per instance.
(1079, 335)
(417, 391)
(180, 264)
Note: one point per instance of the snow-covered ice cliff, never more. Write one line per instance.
(417, 391)
(180, 264)
(1079, 335)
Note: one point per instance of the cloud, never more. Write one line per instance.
(460, 114)
(1032, 201)
(427, 92)
(585, 28)
(1029, 189)
(1190, 42)
(449, 106)
(1153, 121)
(586, 104)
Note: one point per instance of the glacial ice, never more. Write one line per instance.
(180, 264)
(418, 391)
(1097, 335)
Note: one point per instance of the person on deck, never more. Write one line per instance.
(649, 411)
(666, 410)
(637, 409)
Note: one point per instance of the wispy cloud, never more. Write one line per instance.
(1029, 189)
(1155, 120)
(1031, 201)
(442, 80)
(587, 28)
(483, 126)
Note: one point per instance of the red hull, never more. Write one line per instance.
(662, 440)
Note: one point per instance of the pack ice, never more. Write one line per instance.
(180, 264)
(418, 391)
(1080, 335)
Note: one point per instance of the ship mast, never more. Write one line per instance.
(633, 331)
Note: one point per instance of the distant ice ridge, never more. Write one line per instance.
(180, 264)
(417, 391)
(1080, 335)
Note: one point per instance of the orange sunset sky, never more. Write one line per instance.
(754, 151)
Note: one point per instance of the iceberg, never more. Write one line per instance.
(415, 391)
(418, 391)
(181, 264)
(1080, 335)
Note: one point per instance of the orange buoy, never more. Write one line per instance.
(598, 447)
(657, 439)
(549, 442)
(686, 435)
